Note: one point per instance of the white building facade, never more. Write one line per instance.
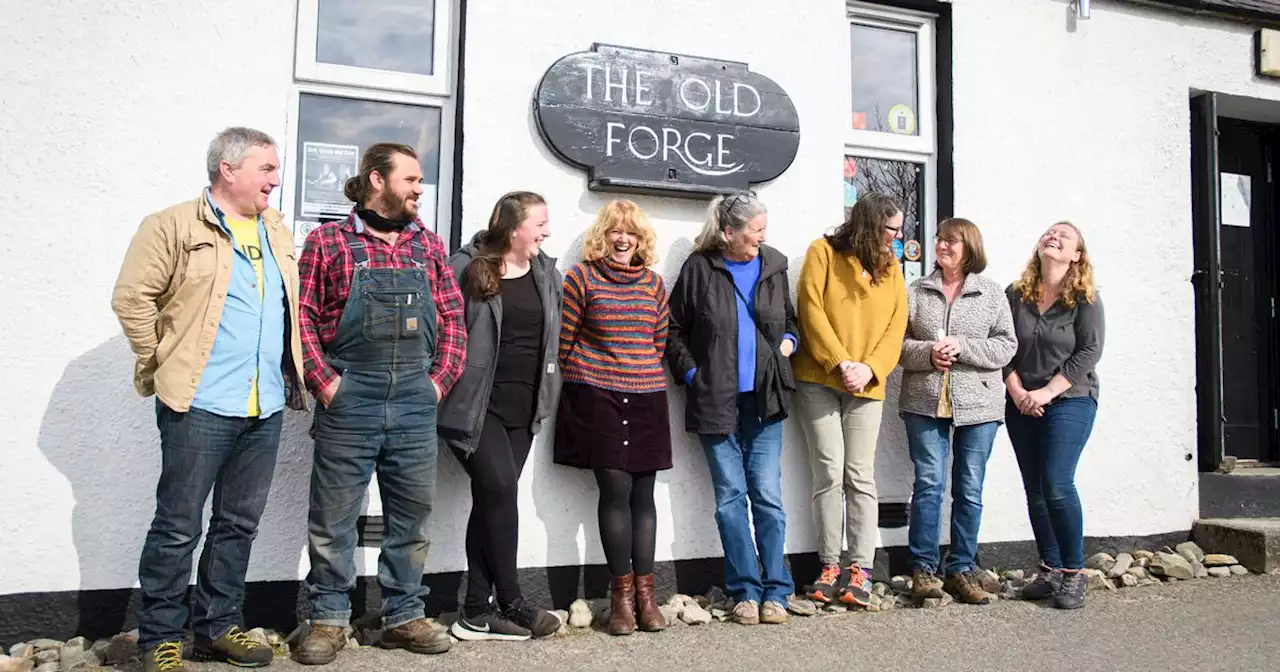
(1012, 113)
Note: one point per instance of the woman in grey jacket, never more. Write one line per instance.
(512, 295)
(959, 336)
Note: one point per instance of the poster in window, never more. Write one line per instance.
(325, 169)
(1236, 199)
(300, 232)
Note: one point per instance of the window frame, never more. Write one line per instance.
(922, 148)
(440, 83)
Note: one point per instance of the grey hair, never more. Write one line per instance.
(727, 213)
(232, 145)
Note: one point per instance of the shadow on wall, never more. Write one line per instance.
(102, 437)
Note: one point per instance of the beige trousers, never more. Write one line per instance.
(841, 431)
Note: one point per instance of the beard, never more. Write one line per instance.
(396, 206)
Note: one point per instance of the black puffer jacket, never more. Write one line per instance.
(704, 334)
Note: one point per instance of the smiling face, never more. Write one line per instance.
(249, 185)
(744, 243)
(396, 194)
(623, 242)
(526, 239)
(893, 229)
(1061, 243)
(949, 251)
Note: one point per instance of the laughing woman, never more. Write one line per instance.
(613, 416)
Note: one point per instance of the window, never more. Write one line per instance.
(891, 144)
(369, 71)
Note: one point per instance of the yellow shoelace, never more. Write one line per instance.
(168, 656)
(241, 638)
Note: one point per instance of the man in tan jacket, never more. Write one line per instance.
(208, 298)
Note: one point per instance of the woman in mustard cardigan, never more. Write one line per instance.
(852, 305)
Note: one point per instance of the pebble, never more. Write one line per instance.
(1127, 581)
(48, 667)
(1143, 555)
(900, 584)
(579, 614)
(1172, 566)
(1198, 570)
(1123, 562)
(880, 589)
(801, 606)
(46, 656)
(45, 644)
(1140, 572)
(835, 608)
(1014, 574)
(260, 636)
(719, 614)
(1142, 562)
(1219, 560)
(694, 614)
(904, 601)
(1219, 572)
(21, 650)
(121, 649)
(1190, 551)
(14, 664)
(563, 616)
(670, 613)
(936, 602)
(1102, 562)
(1239, 570)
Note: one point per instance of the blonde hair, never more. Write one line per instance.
(626, 215)
(727, 213)
(1077, 285)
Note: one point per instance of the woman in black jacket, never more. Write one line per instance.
(512, 295)
(733, 328)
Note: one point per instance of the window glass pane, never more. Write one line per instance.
(885, 87)
(332, 136)
(904, 182)
(395, 35)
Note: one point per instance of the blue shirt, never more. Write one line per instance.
(250, 340)
(745, 274)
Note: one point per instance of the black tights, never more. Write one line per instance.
(628, 521)
(494, 527)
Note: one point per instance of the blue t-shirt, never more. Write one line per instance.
(745, 274)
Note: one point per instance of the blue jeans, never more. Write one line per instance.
(200, 452)
(748, 465)
(1048, 449)
(929, 441)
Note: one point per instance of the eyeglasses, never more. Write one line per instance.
(731, 202)
(948, 241)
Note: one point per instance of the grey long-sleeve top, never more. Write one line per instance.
(1062, 340)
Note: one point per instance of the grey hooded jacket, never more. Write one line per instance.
(461, 414)
(980, 320)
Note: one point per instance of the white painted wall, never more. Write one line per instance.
(108, 109)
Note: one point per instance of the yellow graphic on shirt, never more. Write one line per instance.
(245, 232)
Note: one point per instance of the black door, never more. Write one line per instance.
(1246, 243)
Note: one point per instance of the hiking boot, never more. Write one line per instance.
(967, 587)
(417, 636)
(773, 612)
(648, 616)
(234, 647)
(321, 645)
(622, 605)
(1045, 584)
(925, 584)
(746, 612)
(827, 586)
(858, 589)
(1070, 594)
(165, 657)
(489, 626)
(539, 622)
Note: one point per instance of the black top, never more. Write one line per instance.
(1062, 340)
(519, 353)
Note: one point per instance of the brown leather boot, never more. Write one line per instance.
(321, 645)
(622, 615)
(647, 612)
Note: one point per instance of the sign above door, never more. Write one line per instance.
(655, 122)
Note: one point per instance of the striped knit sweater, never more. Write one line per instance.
(613, 329)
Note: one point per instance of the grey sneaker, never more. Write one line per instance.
(1045, 584)
(746, 612)
(773, 612)
(1070, 593)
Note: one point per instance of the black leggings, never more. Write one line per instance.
(494, 527)
(628, 521)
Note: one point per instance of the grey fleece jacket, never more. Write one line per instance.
(981, 321)
(461, 414)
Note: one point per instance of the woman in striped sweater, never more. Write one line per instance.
(613, 415)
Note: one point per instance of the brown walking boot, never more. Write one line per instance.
(647, 612)
(622, 614)
(967, 588)
(925, 584)
(417, 636)
(321, 645)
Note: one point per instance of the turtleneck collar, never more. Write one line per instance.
(619, 274)
(379, 223)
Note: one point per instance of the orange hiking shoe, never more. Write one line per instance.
(827, 586)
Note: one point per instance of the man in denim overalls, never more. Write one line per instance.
(383, 339)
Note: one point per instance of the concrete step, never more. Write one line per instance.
(1255, 542)
(1251, 492)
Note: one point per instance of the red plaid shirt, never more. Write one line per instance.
(324, 272)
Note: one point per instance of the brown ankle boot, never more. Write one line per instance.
(647, 612)
(622, 594)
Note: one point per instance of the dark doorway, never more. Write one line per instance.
(1236, 243)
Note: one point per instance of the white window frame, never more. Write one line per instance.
(439, 83)
(368, 87)
(922, 148)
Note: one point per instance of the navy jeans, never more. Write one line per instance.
(929, 441)
(748, 465)
(200, 452)
(1048, 449)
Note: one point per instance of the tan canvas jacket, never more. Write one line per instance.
(170, 292)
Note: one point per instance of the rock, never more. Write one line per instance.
(47, 656)
(1219, 572)
(719, 614)
(121, 649)
(45, 644)
(670, 613)
(835, 608)
(880, 589)
(801, 606)
(601, 609)
(1142, 562)
(1198, 570)
(579, 614)
(904, 601)
(1239, 570)
(1169, 579)
(1140, 572)
(21, 650)
(48, 667)
(1123, 562)
(718, 599)
(73, 656)
(1166, 549)
(678, 601)
(1141, 555)
(1172, 566)
(1148, 582)
(935, 602)
(1014, 574)
(260, 636)
(694, 614)
(1102, 562)
(900, 584)
(888, 602)
(1190, 551)
(563, 615)
(353, 643)
(1097, 579)
(15, 664)
(1219, 560)
(989, 580)
(1127, 581)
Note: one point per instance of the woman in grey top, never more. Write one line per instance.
(959, 336)
(1052, 401)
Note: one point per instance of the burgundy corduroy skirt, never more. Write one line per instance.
(604, 429)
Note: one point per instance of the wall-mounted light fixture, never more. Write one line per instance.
(1082, 8)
